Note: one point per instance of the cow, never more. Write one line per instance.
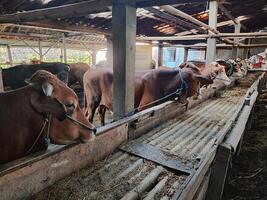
(76, 73)
(44, 109)
(151, 88)
(214, 68)
(232, 68)
(14, 77)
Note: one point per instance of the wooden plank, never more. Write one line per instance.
(159, 156)
(30, 179)
(124, 35)
(211, 42)
(218, 173)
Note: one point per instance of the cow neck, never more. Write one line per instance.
(46, 123)
(184, 87)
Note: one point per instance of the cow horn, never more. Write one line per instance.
(47, 89)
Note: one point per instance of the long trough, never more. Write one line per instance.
(192, 137)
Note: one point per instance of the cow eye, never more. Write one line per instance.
(70, 105)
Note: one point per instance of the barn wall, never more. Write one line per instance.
(224, 53)
(143, 57)
(254, 51)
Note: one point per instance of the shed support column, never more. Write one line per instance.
(64, 49)
(124, 35)
(160, 54)
(9, 55)
(1, 81)
(219, 173)
(211, 42)
(40, 50)
(185, 54)
(236, 40)
(109, 52)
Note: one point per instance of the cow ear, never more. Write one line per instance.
(47, 89)
(47, 105)
(203, 79)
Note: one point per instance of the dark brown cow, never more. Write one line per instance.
(23, 125)
(76, 73)
(150, 86)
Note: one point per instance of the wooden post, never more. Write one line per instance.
(124, 35)
(160, 54)
(219, 173)
(211, 42)
(1, 81)
(109, 52)
(9, 55)
(185, 54)
(40, 50)
(64, 49)
(236, 40)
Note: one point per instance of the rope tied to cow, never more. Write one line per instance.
(175, 94)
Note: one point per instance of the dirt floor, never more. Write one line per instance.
(247, 178)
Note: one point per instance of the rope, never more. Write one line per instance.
(39, 135)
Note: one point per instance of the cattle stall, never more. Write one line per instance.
(168, 151)
(179, 163)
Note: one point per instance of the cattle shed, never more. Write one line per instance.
(167, 151)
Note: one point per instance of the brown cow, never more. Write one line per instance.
(76, 73)
(23, 117)
(150, 86)
(214, 68)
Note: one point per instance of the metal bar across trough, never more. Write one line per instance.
(166, 127)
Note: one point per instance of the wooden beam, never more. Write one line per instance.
(150, 3)
(179, 13)
(227, 13)
(64, 49)
(204, 36)
(1, 81)
(218, 173)
(236, 40)
(65, 11)
(230, 16)
(110, 52)
(124, 35)
(9, 52)
(160, 54)
(40, 50)
(182, 24)
(65, 27)
(185, 54)
(211, 42)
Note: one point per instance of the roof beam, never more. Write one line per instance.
(65, 11)
(179, 13)
(179, 22)
(230, 16)
(150, 3)
(80, 9)
(205, 36)
(65, 27)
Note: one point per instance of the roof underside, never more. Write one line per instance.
(151, 21)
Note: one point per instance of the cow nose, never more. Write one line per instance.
(94, 130)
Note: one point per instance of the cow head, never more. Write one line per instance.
(219, 73)
(195, 78)
(54, 97)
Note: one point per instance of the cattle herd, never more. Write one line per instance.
(41, 105)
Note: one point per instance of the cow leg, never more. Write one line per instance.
(102, 110)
